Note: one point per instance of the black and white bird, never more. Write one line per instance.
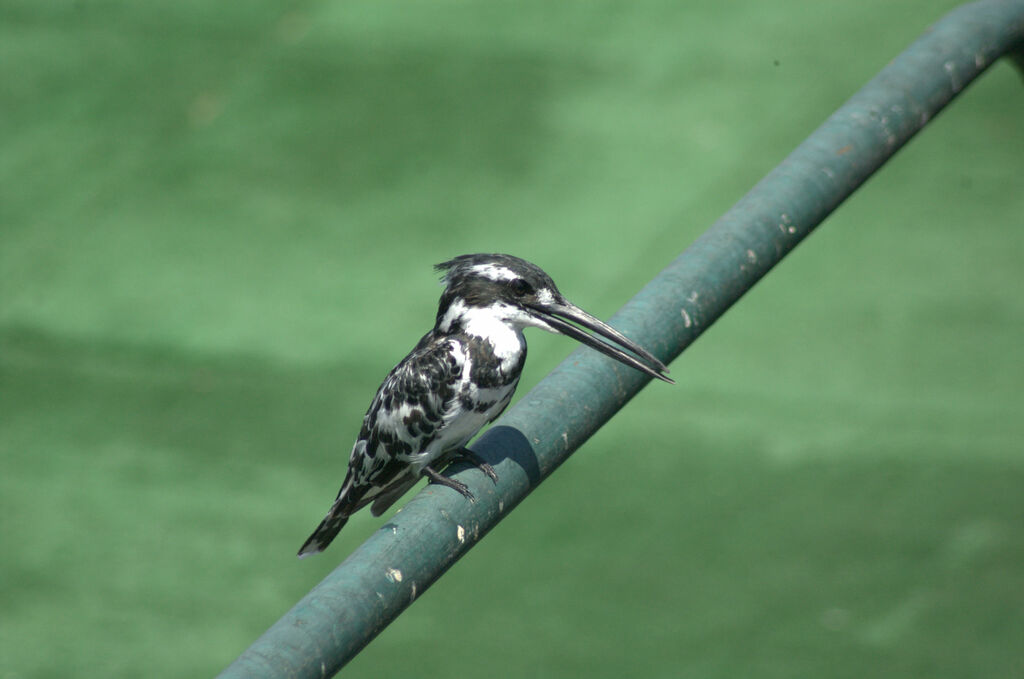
(460, 376)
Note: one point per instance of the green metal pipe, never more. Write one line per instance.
(405, 556)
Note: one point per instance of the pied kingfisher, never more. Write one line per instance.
(459, 377)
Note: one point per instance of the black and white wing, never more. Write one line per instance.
(402, 432)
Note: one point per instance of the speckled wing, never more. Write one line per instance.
(407, 415)
(404, 419)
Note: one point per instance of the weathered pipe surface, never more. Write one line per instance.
(397, 563)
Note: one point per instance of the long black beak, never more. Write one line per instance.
(557, 315)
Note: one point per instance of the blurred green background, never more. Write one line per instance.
(217, 222)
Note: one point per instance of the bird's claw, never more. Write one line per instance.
(434, 477)
(472, 458)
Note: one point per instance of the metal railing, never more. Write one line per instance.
(404, 557)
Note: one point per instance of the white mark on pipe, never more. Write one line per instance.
(686, 319)
(460, 533)
(954, 81)
(393, 574)
(786, 225)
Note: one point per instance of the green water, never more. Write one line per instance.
(217, 225)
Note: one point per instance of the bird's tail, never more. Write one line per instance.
(323, 535)
(328, 529)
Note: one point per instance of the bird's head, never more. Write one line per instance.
(510, 290)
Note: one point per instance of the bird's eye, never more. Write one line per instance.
(520, 287)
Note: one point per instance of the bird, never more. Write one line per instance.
(459, 377)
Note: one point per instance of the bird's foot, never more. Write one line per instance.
(467, 455)
(434, 477)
